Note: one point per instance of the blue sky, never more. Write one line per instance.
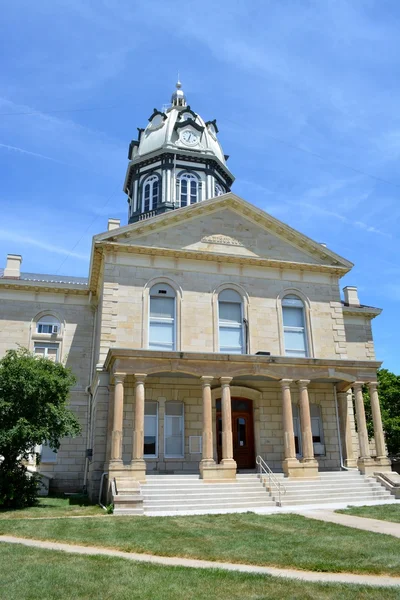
(306, 95)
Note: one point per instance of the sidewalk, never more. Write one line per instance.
(375, 525)
(311, 576)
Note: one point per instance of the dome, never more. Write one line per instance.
(165, 129)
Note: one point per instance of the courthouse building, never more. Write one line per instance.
(207, 333)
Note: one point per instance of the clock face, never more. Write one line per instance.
(189, 137)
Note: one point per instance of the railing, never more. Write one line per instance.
(264, 471)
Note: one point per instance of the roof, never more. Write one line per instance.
(364, 309)
(44, 278)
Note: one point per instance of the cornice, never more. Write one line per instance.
(43, 286)
(365, 311)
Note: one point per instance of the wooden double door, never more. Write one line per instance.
(242, 432)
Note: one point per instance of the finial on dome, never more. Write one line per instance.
(178, 97)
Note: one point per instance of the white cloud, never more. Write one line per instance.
(23, 240)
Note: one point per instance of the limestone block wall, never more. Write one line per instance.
(359, 339)
(17, 328)
(125, 304)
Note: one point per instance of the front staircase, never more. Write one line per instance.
(188, 494)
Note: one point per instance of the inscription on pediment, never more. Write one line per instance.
(225, 240)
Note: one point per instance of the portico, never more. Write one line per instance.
(276, 386)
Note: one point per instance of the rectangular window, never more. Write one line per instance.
(230, 327)
(162, 323)
(47, 350)
(47, 455)
(151, 429)
(294, 331)
(174, 430)
(47, 328)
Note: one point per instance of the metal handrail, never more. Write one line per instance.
(264, 468)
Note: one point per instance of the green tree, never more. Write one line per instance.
(389, 396)
(33, 410)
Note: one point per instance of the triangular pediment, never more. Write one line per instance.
(225, 225)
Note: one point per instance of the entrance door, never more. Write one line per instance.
(242, 432)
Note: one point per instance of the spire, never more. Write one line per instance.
(178, 97)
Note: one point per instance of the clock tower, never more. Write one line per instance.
(176, 161)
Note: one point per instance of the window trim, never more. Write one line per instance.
(188, 176)
(308, 330)
(151, 179)
(240, 325)
(174, 456)
(146, 310)
(245, 314)
(157, 428)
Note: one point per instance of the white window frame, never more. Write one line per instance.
(156, 419)
(46, 346)
(239, 326)
(297, 303)
(182, 416)
(51, 458)
(151, 180)
(162, 320)
(189, 177)
(48, 321)
(218, 190)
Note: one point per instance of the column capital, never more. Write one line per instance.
(140, 377)
(357, 385)
(373, 385)
(303, 383)
(225, 380)
(285, 383)
(206, 379)
(119, 377)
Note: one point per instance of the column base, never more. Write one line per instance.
(135, 470)
(225, 471)
(366, 466)
(294, 468)
(383, 462)
(350, 463)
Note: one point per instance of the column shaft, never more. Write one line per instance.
(305, 421)
(377, 419)
(207, 450)
(226, 410)
(116, 436)
(347, 438)
(138, 436)
(361, 421)
(287, 414)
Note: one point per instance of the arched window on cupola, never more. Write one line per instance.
(218, 190)
(189, 189)
(151, 190)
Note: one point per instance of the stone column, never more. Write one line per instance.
(226, 412)
(381, 454)
(288, 431)
(365, 462)
(207, 450)
(308, 459)
(346, 433)
(118, 417)
(138, 465)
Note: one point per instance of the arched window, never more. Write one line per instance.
(230, 322)
(218, 190)
(48, 324)
(189, 186)
(162, 321)
(151, 189)
(294, 330)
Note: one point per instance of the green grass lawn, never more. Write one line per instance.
(385, 512)
(33, 574)
(278, 540)
(56, 507)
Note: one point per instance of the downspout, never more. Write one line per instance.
(342, 465)
(90, 396)
(246, 333)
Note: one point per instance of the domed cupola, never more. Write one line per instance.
(176, 161)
